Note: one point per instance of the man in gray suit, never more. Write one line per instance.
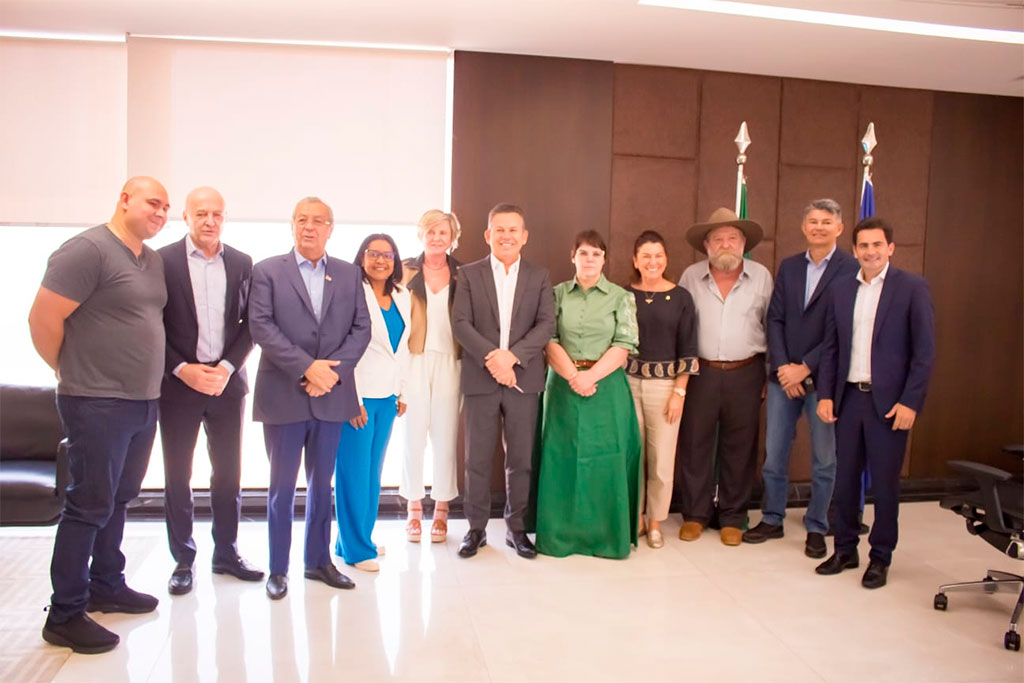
(503, 315)
(308, 314)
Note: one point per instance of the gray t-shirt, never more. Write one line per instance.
(114, 341)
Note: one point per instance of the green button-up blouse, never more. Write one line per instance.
(592, 320)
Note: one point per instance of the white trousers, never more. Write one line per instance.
(433, 398)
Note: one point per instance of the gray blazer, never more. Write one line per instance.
(282, 322)
(475, 324)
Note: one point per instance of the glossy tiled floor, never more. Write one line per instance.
(691, 611)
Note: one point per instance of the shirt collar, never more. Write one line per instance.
(879, 278)
(498, 265)
(602, 284)
(300, 259)
(191, 248)
(824, 261)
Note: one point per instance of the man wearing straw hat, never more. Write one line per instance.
(731, 296)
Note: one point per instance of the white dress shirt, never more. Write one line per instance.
(505, 287)
(864, 308)
(729, 328)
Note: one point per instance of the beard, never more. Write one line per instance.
(726, 260)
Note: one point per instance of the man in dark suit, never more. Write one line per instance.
(795, 326)
(876, 361)
(207, 328)
(308, 313)
(503, 316)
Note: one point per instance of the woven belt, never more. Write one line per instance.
(729, 364)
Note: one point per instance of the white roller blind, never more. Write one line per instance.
(62, 130)
(269, 124)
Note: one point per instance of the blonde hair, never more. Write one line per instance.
(435, 216)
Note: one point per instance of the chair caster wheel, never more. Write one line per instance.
(941, 602)
(1011, 641)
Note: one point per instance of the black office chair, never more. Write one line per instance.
(995, 511)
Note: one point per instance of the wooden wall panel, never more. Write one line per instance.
(819, 124)
(973, 250)
(800, 184)
(535, 131)
(726, 101)
(656, 111)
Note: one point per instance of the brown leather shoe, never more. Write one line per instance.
(690, 531)
(731, 535)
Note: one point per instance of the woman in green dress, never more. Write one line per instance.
(589, 471)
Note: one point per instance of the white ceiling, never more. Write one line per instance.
(615, 30)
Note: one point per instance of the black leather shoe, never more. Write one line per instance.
(521, 542)
(838, 562)
(473, 541)
(124, 599)
(762, 532)
(815, 545)
(181, 580)
(875, 575)
(237, 567)
(81, 634)
(330, 575)
(277, 586)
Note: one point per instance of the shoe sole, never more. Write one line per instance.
(59, 641)
(761, 539)
(816, 555)
(114, 608)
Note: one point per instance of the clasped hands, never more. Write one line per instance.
(584, 383)
(319, 377)
(903, 416)
(791, 379)
(501, 363)
(205, 379)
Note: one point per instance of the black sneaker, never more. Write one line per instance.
(81, 634)
(124, 599)
(815, 546)
(762, 532)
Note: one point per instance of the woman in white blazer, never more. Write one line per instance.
(379, 378)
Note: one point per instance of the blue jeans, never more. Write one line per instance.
(109, 441)
(781, 414)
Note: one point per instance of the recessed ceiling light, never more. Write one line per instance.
(807, 16)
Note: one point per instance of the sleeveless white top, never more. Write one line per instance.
(439, 326)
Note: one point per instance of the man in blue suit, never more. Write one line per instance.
(796, 325)
(876, 362)
(308, 314)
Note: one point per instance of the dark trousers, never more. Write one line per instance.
(864, 438)
(726, 403)
(285, 444)
(514, 416)
(221, 418)
(109, 441)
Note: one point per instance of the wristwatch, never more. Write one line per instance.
(679, 392)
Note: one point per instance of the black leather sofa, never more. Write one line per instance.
(33, 457)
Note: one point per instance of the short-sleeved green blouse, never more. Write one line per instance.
(592, 320)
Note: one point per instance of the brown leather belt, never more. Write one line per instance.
(728, 364)
(584, 364)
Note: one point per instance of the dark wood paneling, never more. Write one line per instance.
(657, 194)
(798, 185)
(535, 131)
(903, 122)
(727, 100)
(656, 111)
(973, 263)
(819, 124)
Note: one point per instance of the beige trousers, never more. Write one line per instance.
(658, 436)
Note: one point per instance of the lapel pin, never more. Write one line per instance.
(328, 278)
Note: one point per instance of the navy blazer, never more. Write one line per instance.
(795, 331)
(182, 328)
(282, 322)
(476, 326)
(902, 345)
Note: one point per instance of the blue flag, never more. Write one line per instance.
(867, 199)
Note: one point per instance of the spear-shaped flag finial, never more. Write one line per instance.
(742, 142)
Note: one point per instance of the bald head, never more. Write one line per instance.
(204, 216)
(141, 208)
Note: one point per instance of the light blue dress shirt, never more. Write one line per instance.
(209, 293)
(313, 277)
(814, 273)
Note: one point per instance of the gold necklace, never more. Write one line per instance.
(648, 296)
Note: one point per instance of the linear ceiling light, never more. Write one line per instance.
(50, 35)
(303, 43)
(807, 16)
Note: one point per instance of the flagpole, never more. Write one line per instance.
(867, 195)
(742, 142)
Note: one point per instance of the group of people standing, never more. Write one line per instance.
(586, 384)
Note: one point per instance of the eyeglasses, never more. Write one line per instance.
(374, 255)
(303, 221)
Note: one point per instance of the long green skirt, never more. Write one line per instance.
(588, 485)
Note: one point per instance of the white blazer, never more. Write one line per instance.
(382, 372)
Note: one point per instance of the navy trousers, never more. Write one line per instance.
(285, 444)
(865, 439)
(109, 442)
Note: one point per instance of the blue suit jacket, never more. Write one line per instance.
(902, 344)
(795, 332)
(282, 322)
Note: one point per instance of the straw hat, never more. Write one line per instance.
(720, 218)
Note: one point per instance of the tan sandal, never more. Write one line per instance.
(439, 527)
(413, 529)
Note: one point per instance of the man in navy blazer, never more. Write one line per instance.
(207, 326)
(308, 314)
(796, 326)
(876, 363)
